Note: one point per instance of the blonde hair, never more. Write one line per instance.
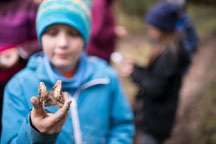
(169, 40)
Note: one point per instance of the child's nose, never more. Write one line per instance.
(62, 40)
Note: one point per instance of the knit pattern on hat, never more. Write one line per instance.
(75, 13)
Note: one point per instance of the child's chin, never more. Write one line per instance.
(62, 63)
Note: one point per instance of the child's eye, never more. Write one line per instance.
(51, 32)
(74, 33)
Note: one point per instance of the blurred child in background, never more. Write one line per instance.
(159, 83)
(17, 38)
(99, 112)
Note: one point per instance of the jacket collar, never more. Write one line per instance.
(48, 74)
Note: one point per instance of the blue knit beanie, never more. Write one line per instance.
(75, 13)
(163, 15)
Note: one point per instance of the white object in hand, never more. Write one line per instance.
(117, 58)
(3, 59)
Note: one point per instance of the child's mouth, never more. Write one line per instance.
(62, 55)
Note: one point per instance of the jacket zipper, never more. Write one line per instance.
(73, 107)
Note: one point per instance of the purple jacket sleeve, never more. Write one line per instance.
(102, 22)
(31, 45)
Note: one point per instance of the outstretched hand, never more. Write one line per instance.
(45, 122)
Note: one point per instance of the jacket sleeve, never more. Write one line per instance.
(154, 81)
(28, 48)
(122, 127)
(31, 45)
(100, 31)
(16, 127)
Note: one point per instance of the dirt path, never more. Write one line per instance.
(199, 75)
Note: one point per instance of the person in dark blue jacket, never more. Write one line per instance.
(99, 112)
(159, 82)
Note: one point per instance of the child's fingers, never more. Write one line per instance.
(65, 95)
(63, 112)
(37, 109)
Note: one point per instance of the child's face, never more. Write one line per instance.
(63, 45)
(153, 33)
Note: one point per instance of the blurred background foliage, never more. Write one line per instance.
(203, 2)
(138, 7)
(131, 14)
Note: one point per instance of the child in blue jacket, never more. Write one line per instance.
(99, 112)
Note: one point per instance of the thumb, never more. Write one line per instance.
(63, 112)
(37, 109)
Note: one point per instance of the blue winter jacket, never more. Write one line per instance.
(99, 113)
